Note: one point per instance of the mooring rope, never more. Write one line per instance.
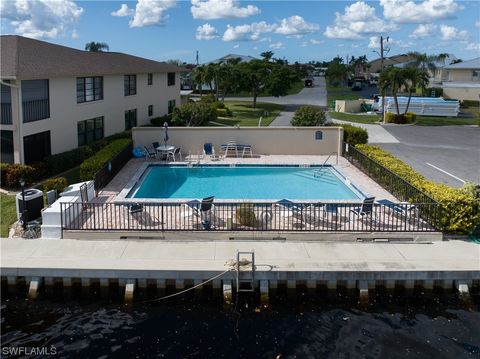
(231, 263)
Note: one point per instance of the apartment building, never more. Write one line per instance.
(463, 80)
(55, 98)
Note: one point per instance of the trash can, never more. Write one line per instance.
(33, 204)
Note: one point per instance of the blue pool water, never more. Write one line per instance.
(256, 183)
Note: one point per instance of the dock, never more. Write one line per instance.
(132, 264)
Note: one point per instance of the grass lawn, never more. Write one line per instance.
(340, 93)
(296, 88)
(354, 117)
(245, 115)
(445, 121)
(8, 213)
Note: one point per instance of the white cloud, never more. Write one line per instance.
(276, 45)
(316, 42)
(41, 18)
(221, 9)
(295, 25)
(452, 33)
(146, 13)
(410, 12)
(236, 46)
(423, 30)
(477, 24)
(247, 32)
(374, 43)
(355, 45)
(304, 44)
(358, 20)
(123, 11)
(473, 46)
(206, 32)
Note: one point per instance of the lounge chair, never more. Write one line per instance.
(135, 208)
(306, 214)
(365, 209)
(233, 146)
(149, 153)
(199, 208)
(209, 152)
(402, 208)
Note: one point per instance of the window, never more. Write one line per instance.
(475, 74)
(171, 106)
(130, 119)
(150, 110)
(90, 130)
(171, 79)
(318, 135)
(7, 146)
(150, 79)
(89, 89)
(130, 85)
(36, 147)
(35, 100)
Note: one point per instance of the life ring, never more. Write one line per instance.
(266, 216)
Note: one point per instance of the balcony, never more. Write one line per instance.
(6, 114)
(35, 110)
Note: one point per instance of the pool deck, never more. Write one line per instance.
(275, 260)
(361, 180)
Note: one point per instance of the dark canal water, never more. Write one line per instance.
(433, 326)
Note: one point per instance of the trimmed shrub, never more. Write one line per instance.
(210, 98)
(245, 215)
(63, 161)
(91, 165)
(459, 210)
(12, 173)
(159, 121)
(410, 117)
(223, 112)
(308, 116)
(58, 184)
(403, 118)
(354, 135)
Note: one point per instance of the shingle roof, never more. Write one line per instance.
(25, 58)
(243, 58)
(470, 64)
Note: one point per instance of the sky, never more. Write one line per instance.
(295, 30)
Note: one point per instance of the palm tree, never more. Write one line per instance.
(393, 78)
(199, 77)
(96, 46)
(414, 77)
(426, 63)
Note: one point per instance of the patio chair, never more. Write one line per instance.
(149, 153)
(173, 154)
(209, 152)
(365, 209)
(135, 208)
(199, 208)
(155, 145)
(402, 208)
(306, 214)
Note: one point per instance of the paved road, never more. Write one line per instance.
(315, 96)
(444, 154)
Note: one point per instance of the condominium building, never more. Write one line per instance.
(55, 98)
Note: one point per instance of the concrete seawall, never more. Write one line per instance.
(133, 264)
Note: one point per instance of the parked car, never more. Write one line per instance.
(357, 86)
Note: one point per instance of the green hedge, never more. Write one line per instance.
(400, 119)
(58, 183)
(159, 121)
(308, 116)
(354, 135)
(91, 165)
(459, 209)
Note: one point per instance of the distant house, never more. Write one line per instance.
(224, 59)
(463, 80)
(55, 98)
(439, 74)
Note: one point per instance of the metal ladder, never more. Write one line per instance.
(318, 172)
(245, 269)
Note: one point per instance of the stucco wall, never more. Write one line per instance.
(65, 113)
(266, 141)
(461, 75)
(462, 93)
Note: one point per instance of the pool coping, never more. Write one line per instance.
(142, 170)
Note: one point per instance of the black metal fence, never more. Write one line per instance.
(103, 176)
(273, 216)
(393, 183)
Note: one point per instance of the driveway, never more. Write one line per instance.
(376, 133)
(444, 154)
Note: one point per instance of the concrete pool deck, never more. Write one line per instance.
(361, 180)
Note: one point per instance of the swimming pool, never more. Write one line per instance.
(244, 182)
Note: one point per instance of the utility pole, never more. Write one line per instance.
(381, 67)
(196, 59)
